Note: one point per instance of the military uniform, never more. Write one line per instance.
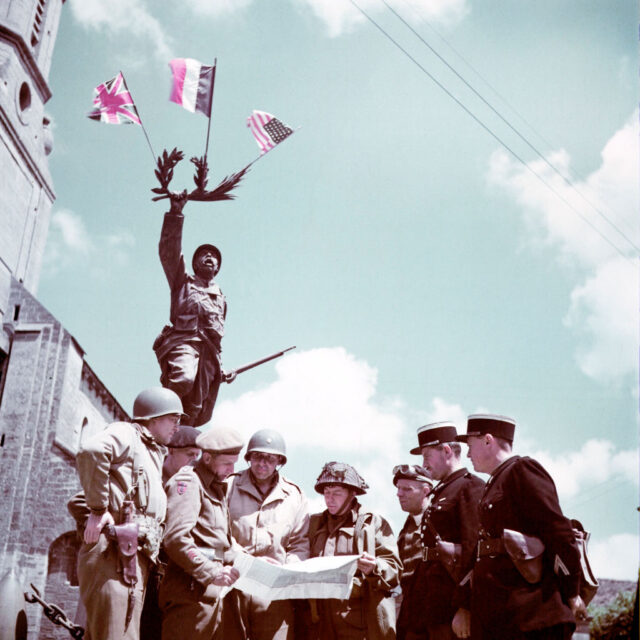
(107, 465)
(453, 514)
(198, 543)
(521, 496)
(370, 611)
(272, 526)
(410, 603)
(188, 349)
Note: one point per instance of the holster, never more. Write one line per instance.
(449, 554)
(525, 553)
(126, 538)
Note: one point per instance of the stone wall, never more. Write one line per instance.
(51, 397)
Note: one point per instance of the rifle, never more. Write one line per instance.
(230, 376)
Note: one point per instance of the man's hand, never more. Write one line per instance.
(366, 563)
(178, 200)
(226, 577)
(95, 524)
(578, 608)
(461, 623)
(229, 376)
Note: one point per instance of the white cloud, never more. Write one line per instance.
(324, 403)
(217, 8)
(341, 16)
(603, 308)
(576, 474)
(128, 16)
(616, 557)
(70, 245)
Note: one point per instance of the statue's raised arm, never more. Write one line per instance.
(188, 349)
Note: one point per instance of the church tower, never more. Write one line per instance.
(28, 30)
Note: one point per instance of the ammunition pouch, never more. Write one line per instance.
(525, 553)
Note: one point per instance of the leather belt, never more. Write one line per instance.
(429, 554)
(490, 547)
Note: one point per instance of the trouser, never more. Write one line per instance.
(440, 632)
(104, 596)
(193, 372)
(189, 610)
(342, 619)
(266, 619)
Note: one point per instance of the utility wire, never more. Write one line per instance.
(501, 98)
(489, 131)
(520, 135)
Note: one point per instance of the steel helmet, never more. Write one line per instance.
(341, 474)
(267, 441)
(155, 402)
(207, 247)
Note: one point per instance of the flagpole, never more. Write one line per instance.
(213, 80)
(140, 117)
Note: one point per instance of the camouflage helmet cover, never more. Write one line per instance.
(343, 475)
(267, 441)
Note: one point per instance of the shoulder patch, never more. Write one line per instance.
(181, 487)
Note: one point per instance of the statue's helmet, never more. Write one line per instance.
(342, 474)
(156, 402)
(206, 247)
(267, 441)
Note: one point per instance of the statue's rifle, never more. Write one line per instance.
(230, 376)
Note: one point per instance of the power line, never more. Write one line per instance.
(489, 131)
(520, 135)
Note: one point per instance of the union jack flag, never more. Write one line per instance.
(113, 103)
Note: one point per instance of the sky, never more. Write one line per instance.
(437, 239)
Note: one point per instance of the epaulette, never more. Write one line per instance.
(293, 484)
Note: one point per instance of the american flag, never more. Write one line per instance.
(267, 130)
(113, 103)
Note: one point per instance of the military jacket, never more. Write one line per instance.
(275, 526)
(520, 495)
(370, 596)
(197, 536)
(198, 308)
(107, 463)
(453, 513)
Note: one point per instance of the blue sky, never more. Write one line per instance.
(422, 271)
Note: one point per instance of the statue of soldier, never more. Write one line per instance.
(188, 349)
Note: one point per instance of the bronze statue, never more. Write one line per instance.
(188, 349)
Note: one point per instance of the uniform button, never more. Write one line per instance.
(491, 506)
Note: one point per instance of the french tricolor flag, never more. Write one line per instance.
(192, 85)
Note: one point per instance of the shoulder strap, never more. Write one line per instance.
(364, 534)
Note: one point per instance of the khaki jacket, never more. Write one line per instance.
(197, 535)
(106, 464)
(276, 526)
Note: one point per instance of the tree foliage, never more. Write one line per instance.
(613, 621)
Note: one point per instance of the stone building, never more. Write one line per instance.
(50, 398)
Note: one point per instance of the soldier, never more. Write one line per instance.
(344, 528)
(198, 544)
(120, 470)
(519, 505)
(449, 527)
(188, 350)
(183, 450)
(414, 488)
(269, 519)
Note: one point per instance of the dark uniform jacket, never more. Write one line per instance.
(453, 513)
(521, 496)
